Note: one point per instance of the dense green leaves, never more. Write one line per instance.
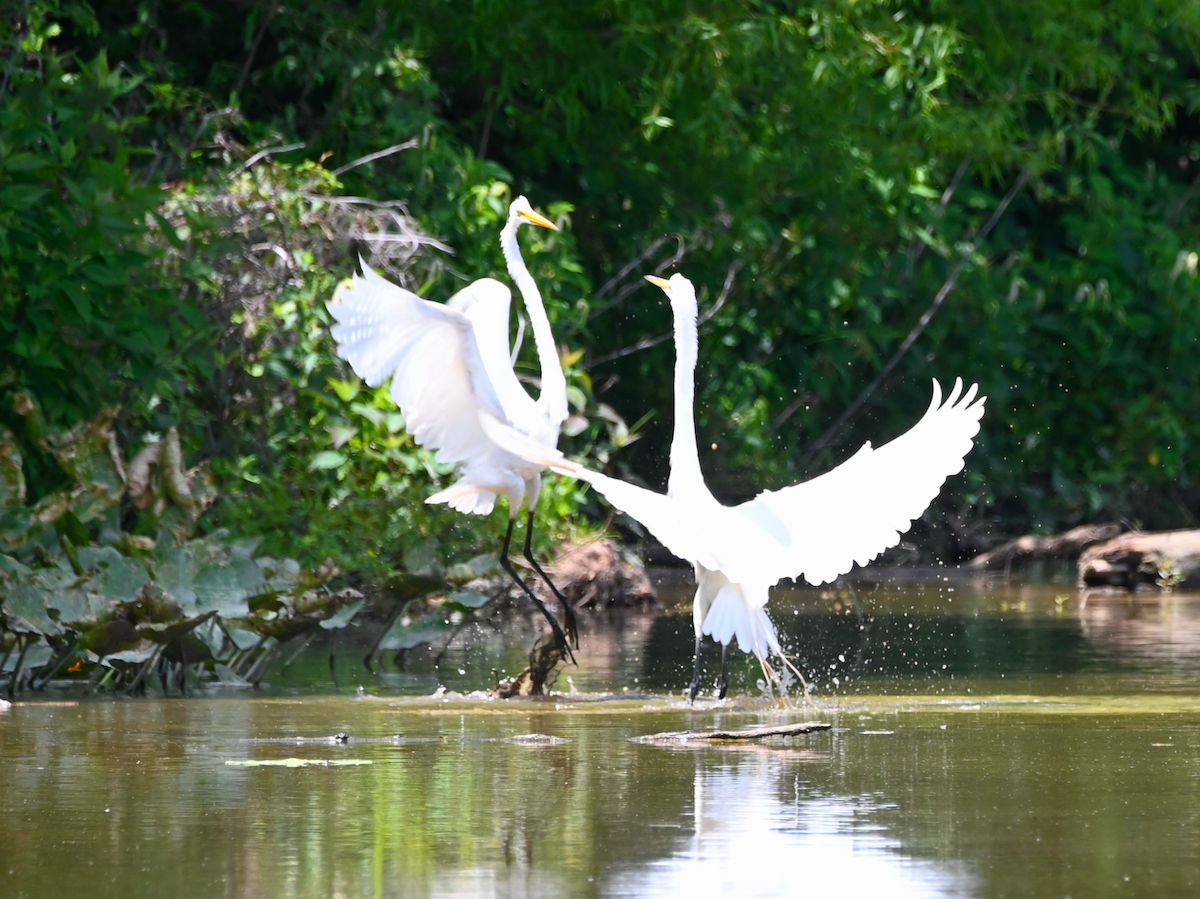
(821, 170)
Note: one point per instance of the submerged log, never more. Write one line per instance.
(1067, 545)
(1165, 559)
(594, 574)
(754, 733)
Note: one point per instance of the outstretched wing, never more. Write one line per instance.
(486, 305)
(821, 528)
(438, 377)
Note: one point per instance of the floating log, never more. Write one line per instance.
(755, 733)
(1165, 559)
(1067, 545)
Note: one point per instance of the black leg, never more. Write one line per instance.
(569, 623)
(559, 636)
(724, 671)
(695, 686)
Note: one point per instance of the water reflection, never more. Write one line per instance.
(988, 742)
(1161, 628)
(935, 637)
(758, 829)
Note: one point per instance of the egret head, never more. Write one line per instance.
(522, 212)
(679, 290)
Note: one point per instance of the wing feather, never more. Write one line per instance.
(486, 305)
(820, 529)
(430, 352)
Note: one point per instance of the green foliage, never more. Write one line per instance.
(75, 586)
(84, 319)
(820, 170)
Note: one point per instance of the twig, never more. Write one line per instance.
(648, 342)
(951, 281)
(264, 153)
(262, 30)
(918, 249)
(712, 310)
(379, 154)
(634, 263)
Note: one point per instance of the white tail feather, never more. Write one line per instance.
(731, 615)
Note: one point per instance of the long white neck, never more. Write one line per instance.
(686, 477)
(553, 398)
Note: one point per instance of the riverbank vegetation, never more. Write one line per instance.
(871, 195)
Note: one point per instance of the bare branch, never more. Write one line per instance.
(649, 342)
(263, 154)
(951, 281)
(380, 154)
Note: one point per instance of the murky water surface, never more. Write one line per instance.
(988, 741)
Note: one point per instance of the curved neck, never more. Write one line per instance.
(686, 477)
(553, 398)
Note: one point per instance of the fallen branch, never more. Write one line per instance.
(756, 733)
(1067, 545)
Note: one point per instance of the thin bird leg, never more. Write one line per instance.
(724, 682)
(694, 688)
(770, 678)
(569, 623)
(796, 671)
(559, 636)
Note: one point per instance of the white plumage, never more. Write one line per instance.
(817, 530)
(450, 363)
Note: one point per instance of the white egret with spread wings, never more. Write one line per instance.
(817, 530)
(447, 363)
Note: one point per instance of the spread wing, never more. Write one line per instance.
(486, 305)
(821, 528)
(430, 352)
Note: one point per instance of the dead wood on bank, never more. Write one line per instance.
(1067, 545)
(756, 733)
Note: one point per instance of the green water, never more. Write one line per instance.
(987, 742)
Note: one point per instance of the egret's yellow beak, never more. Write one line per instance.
(536, 218)
(659, 282)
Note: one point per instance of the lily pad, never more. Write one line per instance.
(342, 618)
(29, 603)
(117, 577)
(468, 599)
(421, 630)
(225, 588)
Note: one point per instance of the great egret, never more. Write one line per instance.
(818, 529)
(449, 361)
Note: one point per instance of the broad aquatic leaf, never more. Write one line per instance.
(128, 656)
(468, 599)
(280, 574)
(342, 618)
(117, 577)
(175, 573)
(75, 607)
(31, 603)
(243, 549)
(225, 588)
(421, 630)
(242, 638)
(38, 655)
